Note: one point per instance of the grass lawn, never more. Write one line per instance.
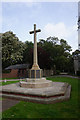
(8, 78)
(8, 82)
(66, 109)
(0, 98)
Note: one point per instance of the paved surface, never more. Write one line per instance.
(7, 103)
(56, 88)
(59, 91)
(44, 95)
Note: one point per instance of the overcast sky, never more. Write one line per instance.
(57, 19)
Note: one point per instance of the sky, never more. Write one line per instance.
(57, 19)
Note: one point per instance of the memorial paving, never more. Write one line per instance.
(58, 92)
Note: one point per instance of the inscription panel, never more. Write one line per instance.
(37, 73)
(41, 72)
(32, 73)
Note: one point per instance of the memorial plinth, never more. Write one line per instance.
(58, 92)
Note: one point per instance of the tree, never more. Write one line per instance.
(65, 45)
(12, 49)
(43, 58)
(53, 40)
(28, 53)
(47, 47)
(76, 52)
(58, 53)
(70, 66)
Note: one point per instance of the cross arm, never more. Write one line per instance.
(36, 31)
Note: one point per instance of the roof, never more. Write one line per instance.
(18, 66)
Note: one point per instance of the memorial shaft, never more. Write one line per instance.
(35, 48)
(35, 61)
(35, 71)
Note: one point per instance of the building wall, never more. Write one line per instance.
(16, 74)
(79, 25)
(23, 73)
(77, 59)
(12, 74)
(76, 65)
(79, 39)
(47, 73)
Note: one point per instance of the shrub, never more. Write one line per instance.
(57, 72)
(78, 73)
(6, 71)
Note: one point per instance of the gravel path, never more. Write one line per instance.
(65, 76)
(11, 80)
(7, 103)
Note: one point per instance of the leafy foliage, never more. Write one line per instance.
(58, 53)
(28, 53)
(76, 52)
(12, 49)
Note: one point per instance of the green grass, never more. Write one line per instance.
(1, 98)
(66, 109)
(8, 78)
(8, 82)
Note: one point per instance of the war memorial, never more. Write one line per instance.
(36, 88)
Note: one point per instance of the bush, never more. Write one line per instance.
(57, 72)
(6, 71)
(78, 73)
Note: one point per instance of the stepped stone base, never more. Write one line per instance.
(58, 92)
(36, 83)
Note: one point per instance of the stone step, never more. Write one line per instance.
(36, 80)
(35, 84)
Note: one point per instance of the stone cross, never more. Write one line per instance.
(35, 62)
